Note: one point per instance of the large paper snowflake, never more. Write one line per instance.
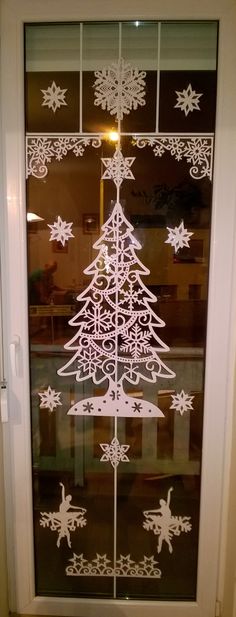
(181, 402)
(178, 237)
(164, 524)
(118, 168)
(54, 97)
(61, 231)
(119, 88)
(114, 452)
(188, 100)
(49, 399)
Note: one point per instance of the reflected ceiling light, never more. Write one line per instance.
(90, 219)
(137, 23)
(113, 136)
(33, 218)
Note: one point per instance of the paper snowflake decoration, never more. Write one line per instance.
(114, 452)
(50, 399)
(178, 237)
(54, 97)
(61, 231)
(188, 100)
(182, 402)
(119, 88)
(118, 168)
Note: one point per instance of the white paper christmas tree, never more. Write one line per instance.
(116, 338)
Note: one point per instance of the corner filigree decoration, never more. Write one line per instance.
(41, 150)
(197, 151)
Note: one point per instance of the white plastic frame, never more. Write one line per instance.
(221, 326)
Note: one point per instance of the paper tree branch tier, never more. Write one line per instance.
(116, 338)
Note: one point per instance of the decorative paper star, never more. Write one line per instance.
(61, 231)
(178, 237)
(188, 100)
(118, 168)
(114, 452)
(101, 561)
(181, 402)
(49, 399)
(54, 97)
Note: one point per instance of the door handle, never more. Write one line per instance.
(3, 400)
(14, 346)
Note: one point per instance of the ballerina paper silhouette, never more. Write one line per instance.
(64, 521)
(163, 524)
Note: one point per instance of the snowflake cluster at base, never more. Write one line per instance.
(102, 566)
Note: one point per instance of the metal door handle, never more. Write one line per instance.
(14, 345)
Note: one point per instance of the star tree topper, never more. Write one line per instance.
(118, 168)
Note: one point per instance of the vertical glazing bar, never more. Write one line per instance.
(158, 74)
(116, 352)
(120, 39)
(115, 517)
(119, 95)
(81, 80)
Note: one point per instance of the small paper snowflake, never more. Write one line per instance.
(114, 452)
(50, 399)
(182, 402)
(61, 231)
(188, 100)
(136, 341)
(54, 97)
(119, 88)
(178, 237)
(118, 168)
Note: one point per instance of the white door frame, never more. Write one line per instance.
(221, 325)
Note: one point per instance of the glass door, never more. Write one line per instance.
(118, 366)
(120, 120)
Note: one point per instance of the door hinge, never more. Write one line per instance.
(3, 401)
(218, 609)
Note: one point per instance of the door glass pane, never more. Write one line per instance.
(119, 138)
